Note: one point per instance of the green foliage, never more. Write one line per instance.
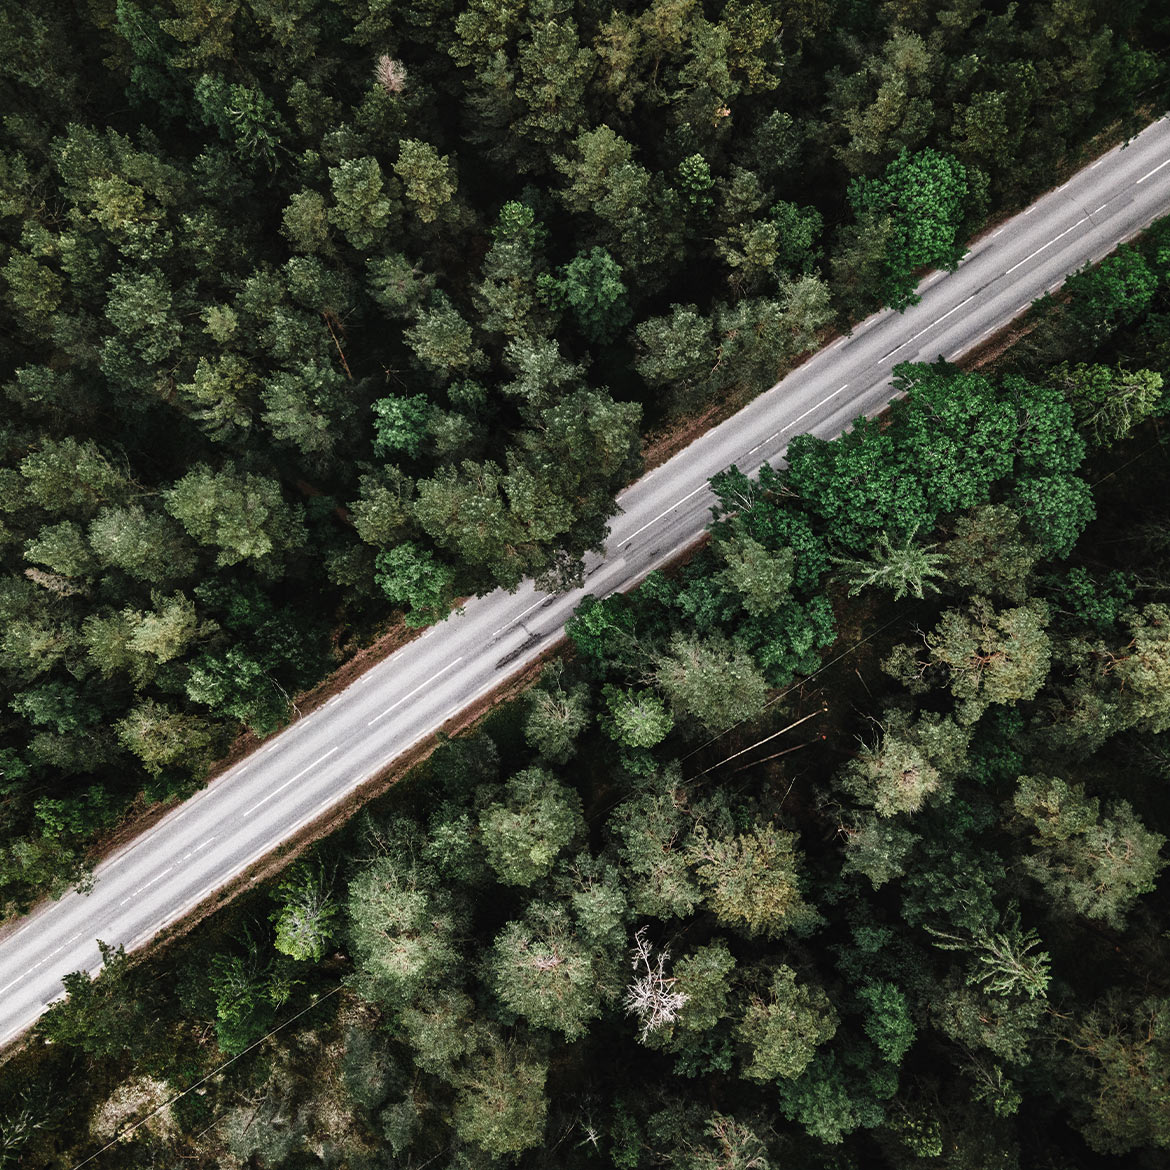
(104, 1016)
(362, 208)
(762, 578)
(402, 929)
(821, 1102)
(303, 332)
(427, 179)
(542, 970)
(703, 979)
(442, 340)
(1113, 293)
(1056, 509)
(694, 182)
(911, 761)
(946, 444)
(524, 833)
(1003, 962)
(651, 827)
(711, 681)
(1100, 604)
(905, 569)
(305, 915)
(244, 517)
(591, 286)
(413, 576)
(753, 880)
(676, 355)
(888, 1020)
(637, 719)
(247, 992)
(244, 117)
(784, 1031)
(556, 717)
(924, 196)
(501, 1104)
(1109, 403)
(982, 655)
(1093, 864)
(1121, 1048)
(990, 555)
(401, 424)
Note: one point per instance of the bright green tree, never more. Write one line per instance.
(556, 717)
(753, 880)
(591, 285)
(524, 833)
(305, 915)
(784, 1030)
(403, 929)
(428, 178)
(362, 208)
(500, 1104)
(675, 354)
(541, 969)
(712, 681)
(242, 515)
(982, 654)
(637, 718)
(413, 576)
(925, 195)
(104, 1016)
(1093, 863)
(910, 761)
(904, 568)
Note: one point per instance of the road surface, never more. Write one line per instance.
(316, 762)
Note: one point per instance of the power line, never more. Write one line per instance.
(203, 1079)
(753, 746)
(799, 683)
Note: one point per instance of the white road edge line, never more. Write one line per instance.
(1103, 158)
(288, 782)
(393, 706)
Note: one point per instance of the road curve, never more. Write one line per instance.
(312, 765)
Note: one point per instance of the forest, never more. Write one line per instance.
(841, 843)
(836, 846)
(321, 314)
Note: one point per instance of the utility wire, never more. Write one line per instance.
(753, 746)
(799, 683)
(203, 1079)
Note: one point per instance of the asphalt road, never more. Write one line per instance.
(316, 762)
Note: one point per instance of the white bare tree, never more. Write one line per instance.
(390, 74)
(651, 996)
